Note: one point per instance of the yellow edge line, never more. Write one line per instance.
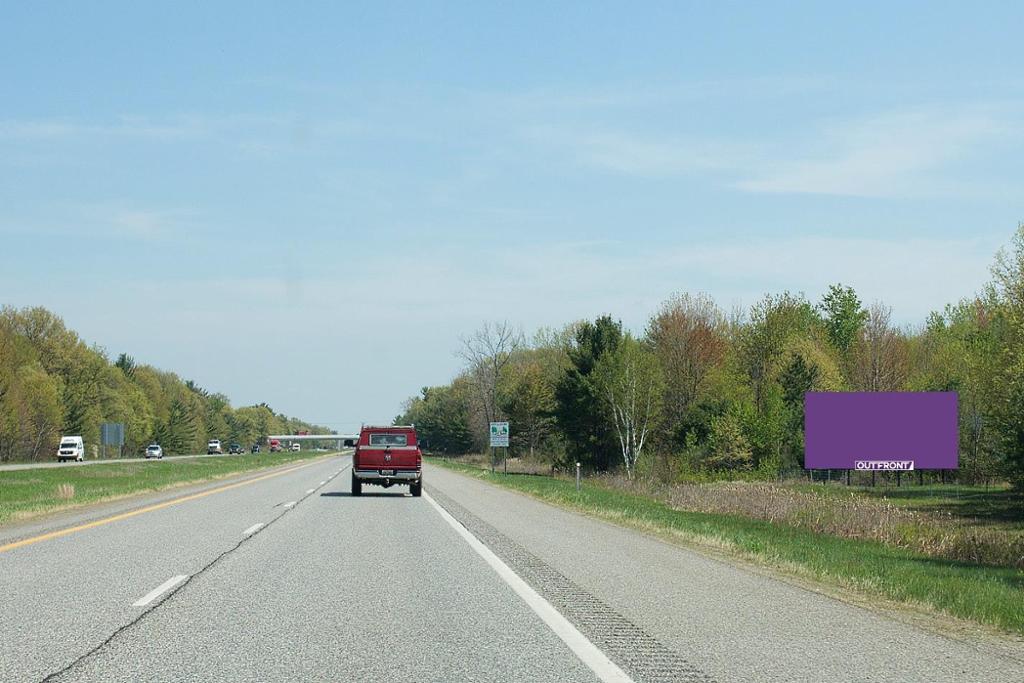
(150, 508)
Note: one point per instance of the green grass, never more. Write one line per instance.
(28, 493)
(983, 594)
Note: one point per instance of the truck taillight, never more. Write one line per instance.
(419, 459)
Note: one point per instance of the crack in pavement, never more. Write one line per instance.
(149, 610)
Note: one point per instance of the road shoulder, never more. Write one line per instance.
(641, 576)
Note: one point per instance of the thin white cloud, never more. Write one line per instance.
(915, 276)
(909, 153)
(897, 154)
(563, 97)
(553, 283)
(632, 154)
(140, 224)
(109, 221)
(125, 127)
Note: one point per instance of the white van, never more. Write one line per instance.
(71, 448)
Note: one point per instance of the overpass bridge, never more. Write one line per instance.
(341, 439)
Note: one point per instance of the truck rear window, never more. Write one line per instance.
(388, 439)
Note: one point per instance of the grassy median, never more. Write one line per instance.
(29, 493)
(984, 594)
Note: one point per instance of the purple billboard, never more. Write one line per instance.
(881, 431)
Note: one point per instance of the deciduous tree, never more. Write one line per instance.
(844, 316)
(487, 352)
(630, 382)
(880, 353)
(688, 336)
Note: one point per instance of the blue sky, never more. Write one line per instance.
(309, 203)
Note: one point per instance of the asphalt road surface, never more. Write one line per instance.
(283, 576)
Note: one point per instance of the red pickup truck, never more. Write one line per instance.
(387, 456)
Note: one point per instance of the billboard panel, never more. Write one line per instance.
(881, 431)
(112, 434)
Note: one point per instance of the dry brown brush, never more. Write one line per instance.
(940, 535)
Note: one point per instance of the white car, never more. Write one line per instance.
(213, 446)
(296, 448)
(71, 448)
(153, 450)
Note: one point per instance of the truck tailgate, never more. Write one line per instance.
(389, 457)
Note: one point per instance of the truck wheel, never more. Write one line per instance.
(416, 489)
(357, 486)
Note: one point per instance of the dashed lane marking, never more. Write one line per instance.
(148, 508)
(159, 590)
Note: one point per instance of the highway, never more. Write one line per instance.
(283, 576)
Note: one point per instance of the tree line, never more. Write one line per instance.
(52, 384)
(705, 390)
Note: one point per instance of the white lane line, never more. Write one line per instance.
(159, 590)
(289, 505)
(588, 653)
(309, 491)
(253, 529)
